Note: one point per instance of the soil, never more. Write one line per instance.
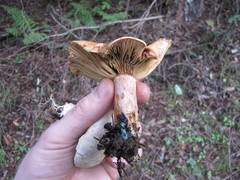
(120, 142)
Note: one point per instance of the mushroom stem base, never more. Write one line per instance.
(115, 144)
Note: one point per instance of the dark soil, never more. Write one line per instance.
(120, 142)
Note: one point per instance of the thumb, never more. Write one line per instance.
(87, 111)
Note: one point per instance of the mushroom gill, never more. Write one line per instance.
(126, 55)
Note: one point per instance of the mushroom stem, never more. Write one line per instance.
(87, 155)
(125, 102)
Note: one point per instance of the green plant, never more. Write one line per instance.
(195, 167)
(235, 20)
(3, 154)
(228, 121)
(18, 59)
(84, 13)
(20, 148)
(167, 142)
(23, 26)
(101, 10)
(39, 124)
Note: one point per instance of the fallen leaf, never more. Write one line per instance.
(151, 146)
(234, 51)
(183, 146)
(146, 133)
(229, 89)
(204, 96)
(152, 122)
(48, 119)
(238, 153)
(178, 90)
(15, 122)
(211, 24)
(162, 102)
(160, 122)
(7, 139)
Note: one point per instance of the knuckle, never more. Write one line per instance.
(46, 136)
(81, 106)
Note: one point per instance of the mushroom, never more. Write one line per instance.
(125, 60)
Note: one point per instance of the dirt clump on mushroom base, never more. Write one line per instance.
(119, 142)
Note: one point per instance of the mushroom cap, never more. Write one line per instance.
(126, 55)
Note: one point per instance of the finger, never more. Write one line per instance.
(87, 111)
(110, 168)
(90, 109)
(143, 93)
(102, 171)
(113, 162)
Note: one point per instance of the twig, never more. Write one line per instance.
(24, 17)
(103, 25)
(4, 174)
(145, 15)
(15, 53)
(64, 27)
(147, 176)
(237, 171)
(179, 64)
(127, 6)
(55, 12)
(237, 5)
(189, 48)
(229, 152)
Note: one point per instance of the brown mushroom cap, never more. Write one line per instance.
(126, 55)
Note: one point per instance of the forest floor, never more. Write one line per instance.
(191, 124)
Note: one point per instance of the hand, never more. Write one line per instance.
(52, 156)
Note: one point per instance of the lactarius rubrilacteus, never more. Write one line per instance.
(125, 61)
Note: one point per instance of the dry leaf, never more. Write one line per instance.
(160, 122)
(7, 139)
(15, 122)
(229, 89)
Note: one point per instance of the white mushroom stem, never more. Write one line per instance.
(125, 101)
(87, 155)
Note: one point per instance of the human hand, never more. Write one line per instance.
(52, 156)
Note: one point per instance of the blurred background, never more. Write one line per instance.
(191, 123)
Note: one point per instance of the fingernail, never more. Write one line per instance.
(114, 160)
(102, 90)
